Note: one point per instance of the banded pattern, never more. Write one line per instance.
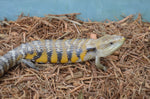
(47, 51)
(57, 51)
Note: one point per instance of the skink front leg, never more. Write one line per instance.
(98, 64)
(29, 64)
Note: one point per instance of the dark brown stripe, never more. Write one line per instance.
(59, 55)
(78, 52)
(49, 54)
(38, 56)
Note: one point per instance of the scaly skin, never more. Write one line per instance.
(61, 51)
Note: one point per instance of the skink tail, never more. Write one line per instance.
(10, 59)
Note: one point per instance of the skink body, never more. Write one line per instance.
(61, 51)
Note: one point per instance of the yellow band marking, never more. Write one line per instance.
(30, 56)
(74, 57)
(64, 58)
(84, 51)
(54, 57)
(43, 58)
(19, 57)
(82, 55)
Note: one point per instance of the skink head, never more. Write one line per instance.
(106, 45)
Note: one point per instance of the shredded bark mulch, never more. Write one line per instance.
(128, 69)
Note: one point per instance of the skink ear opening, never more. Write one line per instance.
(91, 46)
(91, 49)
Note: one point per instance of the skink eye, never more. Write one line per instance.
(111, 43)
